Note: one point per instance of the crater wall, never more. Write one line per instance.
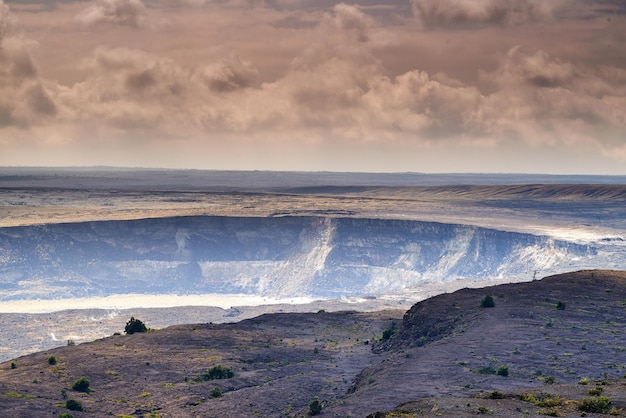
(274, 256)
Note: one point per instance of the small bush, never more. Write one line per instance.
(81, 385)
(13, 365)
(502, 371)
(484, 410)
(52, 360)
(600, 405)
(544, 400)
(496, 394)
(71, 343)
(486, 370)
(218, 372)
(134, 325)
(560, 306)
(488, 302)
(315, 406)
(65, 415)
(549, 380)
(216, 392)
(583, 381)
(595, 391)
(388, 333)
(73, 405)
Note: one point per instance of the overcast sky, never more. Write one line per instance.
(372, 85)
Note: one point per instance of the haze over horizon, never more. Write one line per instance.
(431, 86)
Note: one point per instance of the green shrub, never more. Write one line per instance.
(549, 380)
(218, 372)
(65, 415)
(544, 400)
(52, 360)
(560, 306)
(388, 333)
(134, 325)
(502, 371)
(600, 405)
(81, 385)
(216, 392)
(315, 406)
(487, 302)
(73, 405)
(13, 365)
(595, 391)
(484, 410)
(583, 381)
(486, 370)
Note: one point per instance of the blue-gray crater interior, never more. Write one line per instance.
(275, 256)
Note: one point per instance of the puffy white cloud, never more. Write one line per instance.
(130, 13)
(349, 19)
(537, 69)
(228, 74)
(417, 105)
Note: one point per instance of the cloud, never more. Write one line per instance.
(6, 20)
(342, 76)
(24, 101)
(349, 19)
(130, 90)
(537, 69)
(336, 87)
(541, 99)
(469, 12)
(416, 104)
(131, 13)
(228, 74)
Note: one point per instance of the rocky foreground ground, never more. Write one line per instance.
(548, 347)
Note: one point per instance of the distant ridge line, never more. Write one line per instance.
(202, 180)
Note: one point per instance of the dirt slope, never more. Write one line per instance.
(280, 362)
(448, 346)
(441, 360)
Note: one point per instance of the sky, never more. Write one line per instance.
(533, 86)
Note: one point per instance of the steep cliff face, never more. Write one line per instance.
(282, 256)
(378, 256)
